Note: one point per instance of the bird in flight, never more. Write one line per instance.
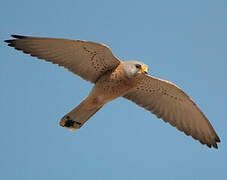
(113, 78)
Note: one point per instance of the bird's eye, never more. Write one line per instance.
(138, 66)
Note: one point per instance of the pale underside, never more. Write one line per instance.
(92, 60)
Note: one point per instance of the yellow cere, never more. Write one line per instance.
(144, 68)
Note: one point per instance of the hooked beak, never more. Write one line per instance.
(144, 69)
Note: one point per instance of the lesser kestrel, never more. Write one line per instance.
(113, 78)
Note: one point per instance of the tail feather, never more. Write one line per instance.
(78, 116)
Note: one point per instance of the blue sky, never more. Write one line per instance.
(181, 41)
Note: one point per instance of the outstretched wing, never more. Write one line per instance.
(170, 103)
(87, 59)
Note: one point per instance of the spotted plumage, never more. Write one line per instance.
(113, 78)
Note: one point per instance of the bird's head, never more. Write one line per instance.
(133, 68)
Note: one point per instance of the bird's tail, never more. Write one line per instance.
(79, 115)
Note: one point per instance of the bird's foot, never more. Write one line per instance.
(67, 122)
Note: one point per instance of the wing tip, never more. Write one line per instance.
(213, 144)
(8, 41)
(18, 36)
(217, 139)
(11, 41)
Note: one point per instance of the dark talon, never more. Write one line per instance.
(69, 123)
(77, 123)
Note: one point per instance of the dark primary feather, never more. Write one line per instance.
(170, 103)
(87, 59)
(91, 60)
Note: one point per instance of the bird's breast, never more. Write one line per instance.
(112, 85)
